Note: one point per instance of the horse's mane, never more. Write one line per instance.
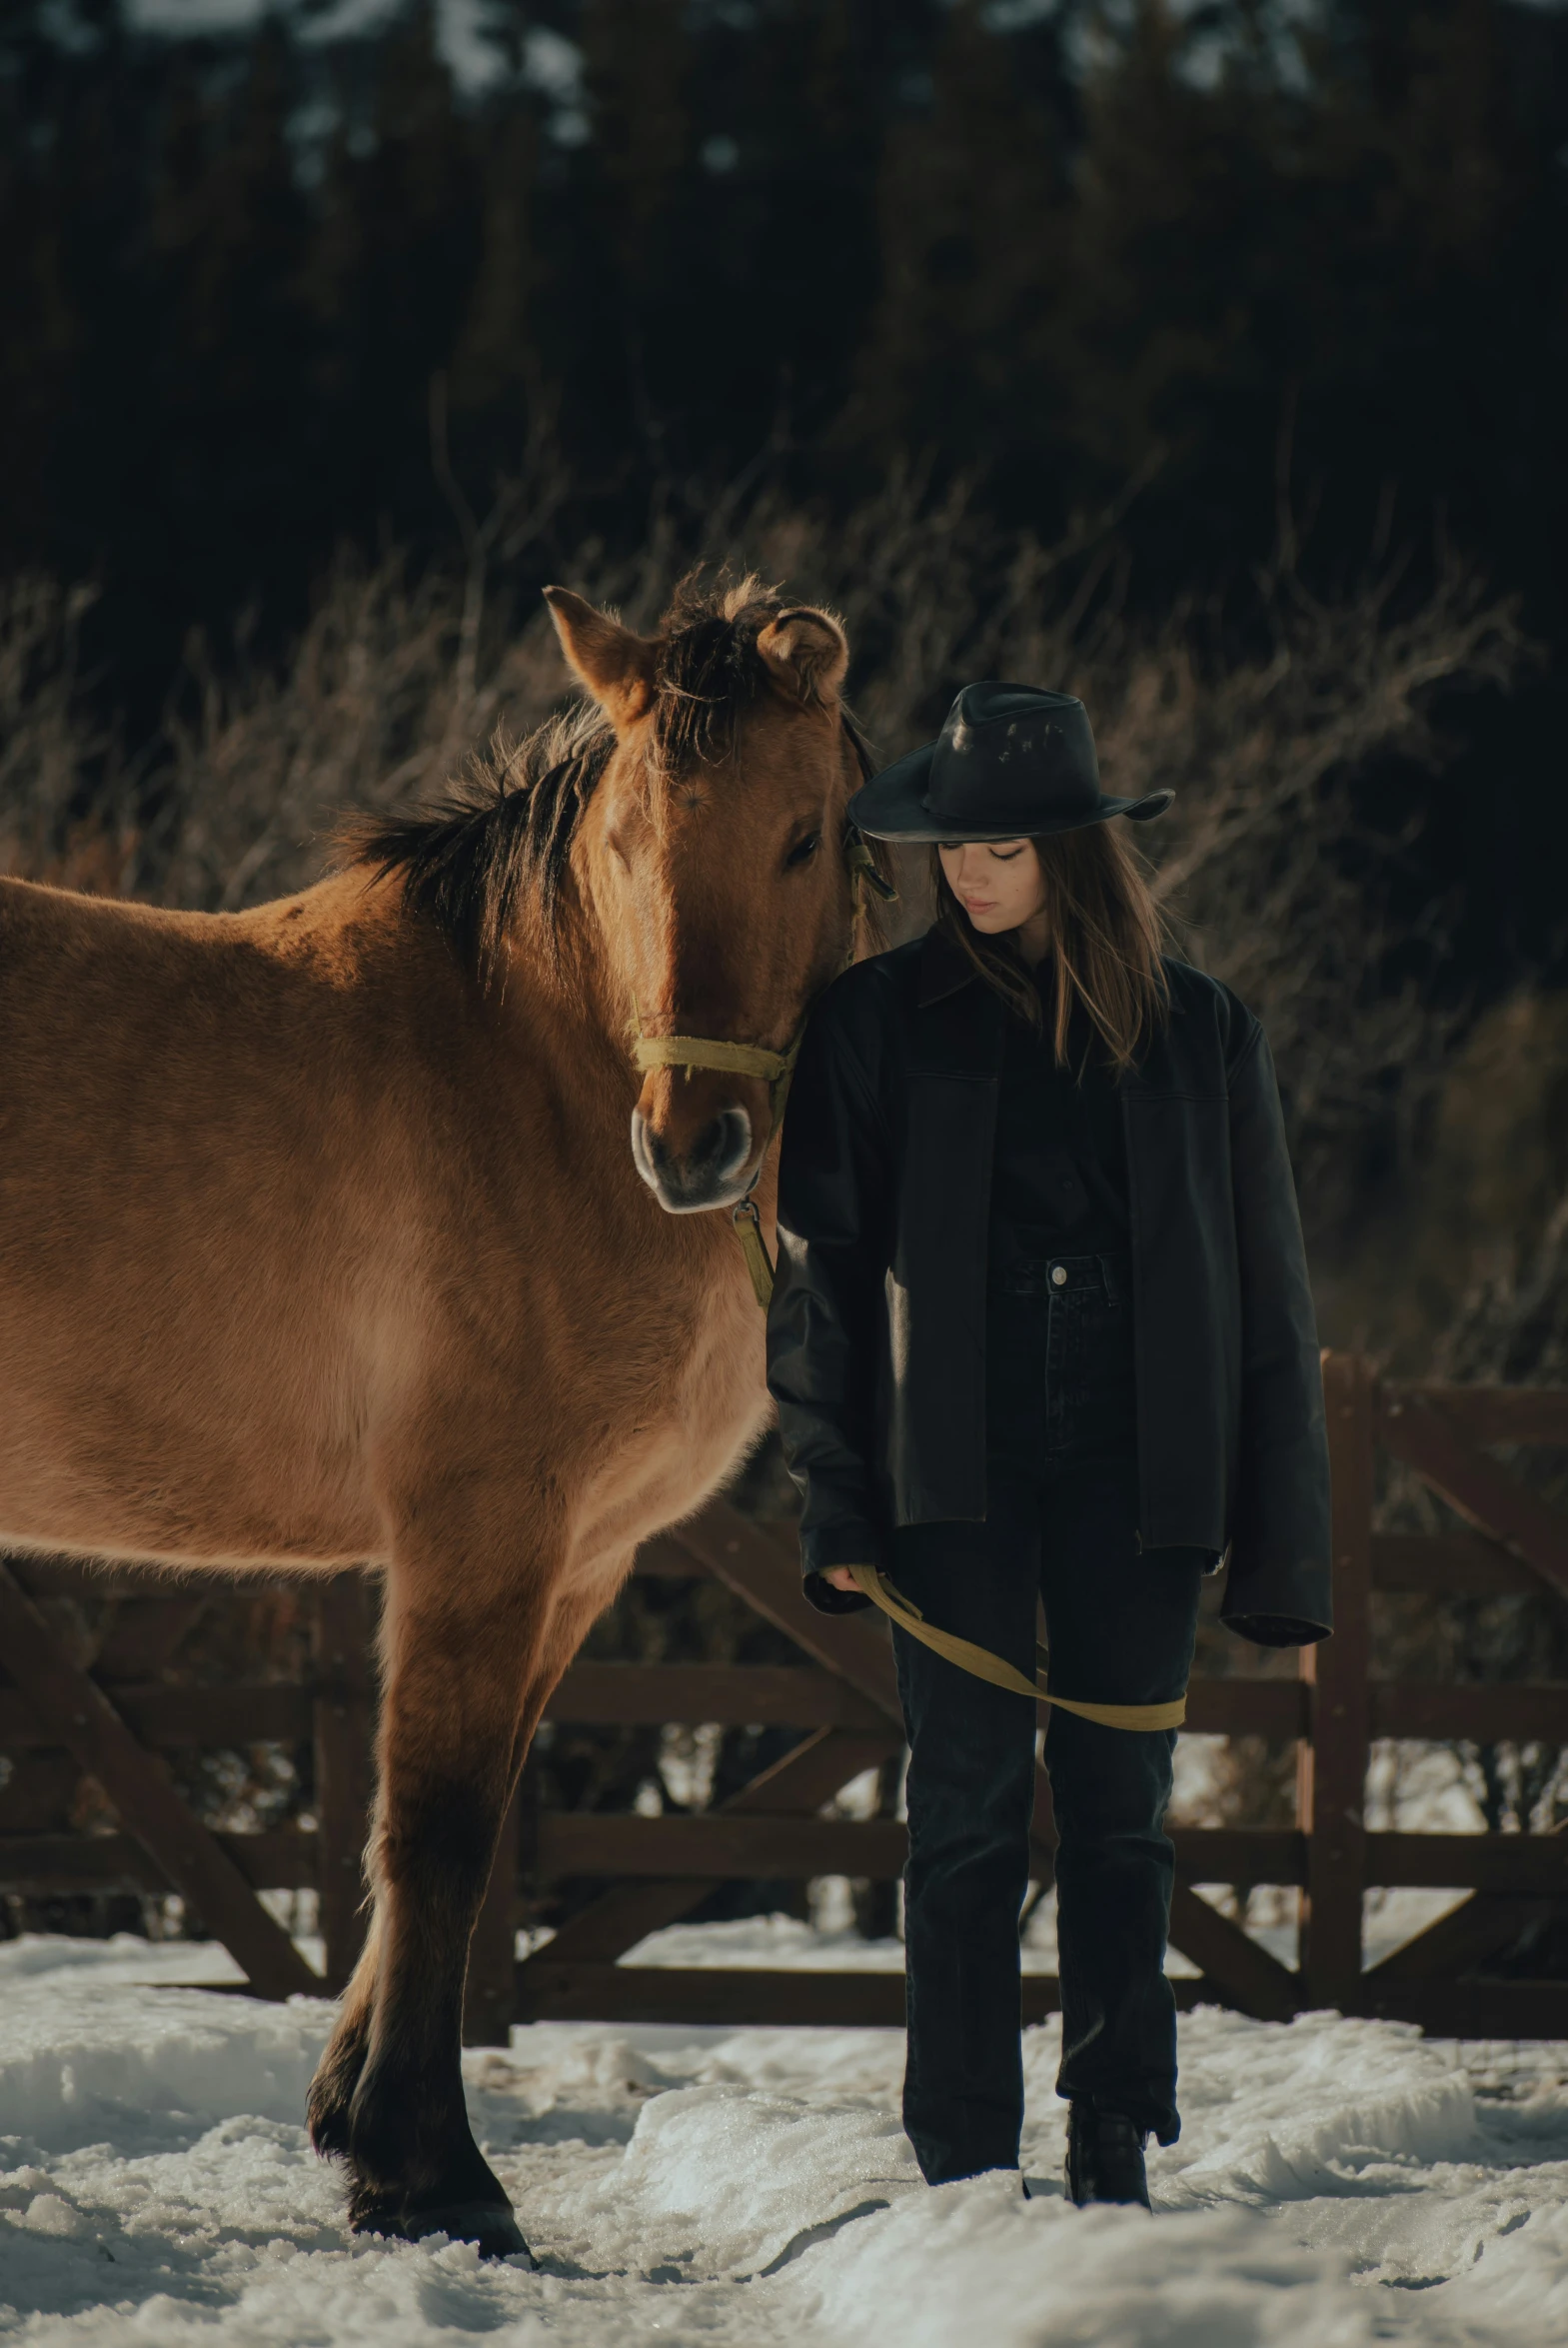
(504, 830)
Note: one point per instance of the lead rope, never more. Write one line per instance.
(982, 1664)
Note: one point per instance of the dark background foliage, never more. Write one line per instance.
(1089, 257)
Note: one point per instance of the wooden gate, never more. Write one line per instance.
(60, 1721)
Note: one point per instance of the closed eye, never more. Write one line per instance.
(804, 850)
(1002, 856)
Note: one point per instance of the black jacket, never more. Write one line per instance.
(876, 1337)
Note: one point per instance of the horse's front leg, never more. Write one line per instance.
(461, 1653)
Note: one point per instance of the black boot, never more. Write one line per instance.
(1104, 2157)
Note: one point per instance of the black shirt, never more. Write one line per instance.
(1060, 1161)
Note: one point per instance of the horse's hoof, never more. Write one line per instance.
(489, 2224)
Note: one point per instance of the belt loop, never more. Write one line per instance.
(1110, 1275)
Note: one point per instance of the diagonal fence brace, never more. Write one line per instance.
(151, 1809)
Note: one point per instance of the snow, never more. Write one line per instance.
(1393, 1917)
(1338, 2182)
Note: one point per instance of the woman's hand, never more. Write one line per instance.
(842, 1578)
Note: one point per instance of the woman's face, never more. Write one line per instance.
(997, 882)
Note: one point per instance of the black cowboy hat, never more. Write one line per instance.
(1011, 762)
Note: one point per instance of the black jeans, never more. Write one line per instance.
(1120, 1621)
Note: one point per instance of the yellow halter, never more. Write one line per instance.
(737, 1060)
(774, 1068)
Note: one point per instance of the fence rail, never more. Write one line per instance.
(61, 1723)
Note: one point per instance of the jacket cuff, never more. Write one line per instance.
(1276, 1596)
(849, 1541)
(1276, 1630)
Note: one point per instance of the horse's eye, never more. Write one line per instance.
(804, 849)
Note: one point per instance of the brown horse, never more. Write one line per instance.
(321, 1241)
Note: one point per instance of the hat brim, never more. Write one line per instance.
(893, 806)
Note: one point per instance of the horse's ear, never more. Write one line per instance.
(806, 653)
(615, 665)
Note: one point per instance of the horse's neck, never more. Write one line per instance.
(560, 965)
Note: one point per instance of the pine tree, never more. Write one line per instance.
(974, 212)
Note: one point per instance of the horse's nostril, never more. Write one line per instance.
(724, 1144)
(703, 1176)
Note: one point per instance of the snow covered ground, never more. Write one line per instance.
(1338, 2183)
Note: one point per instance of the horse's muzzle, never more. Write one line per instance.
(711, 1173)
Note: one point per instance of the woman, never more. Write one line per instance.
(1043, 1331)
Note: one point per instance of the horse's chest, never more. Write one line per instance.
(702, 1402)
(716, 1376)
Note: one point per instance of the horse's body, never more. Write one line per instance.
(321, 1241)
(297, 1232)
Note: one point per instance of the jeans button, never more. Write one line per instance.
(1058, 1275)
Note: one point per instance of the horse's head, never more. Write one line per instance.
(711, 857)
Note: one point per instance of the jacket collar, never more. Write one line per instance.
(943, 970)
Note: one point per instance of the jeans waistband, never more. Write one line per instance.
(1022, 1263)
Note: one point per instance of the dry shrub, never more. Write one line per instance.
(61, 788)
(1263, 719)
(1273, 877)
(259, 765)
(392, 680)
(1477, 1293)
(1266, 863)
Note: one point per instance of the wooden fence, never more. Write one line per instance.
(60, 1721)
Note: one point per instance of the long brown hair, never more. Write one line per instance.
(1106, 934)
